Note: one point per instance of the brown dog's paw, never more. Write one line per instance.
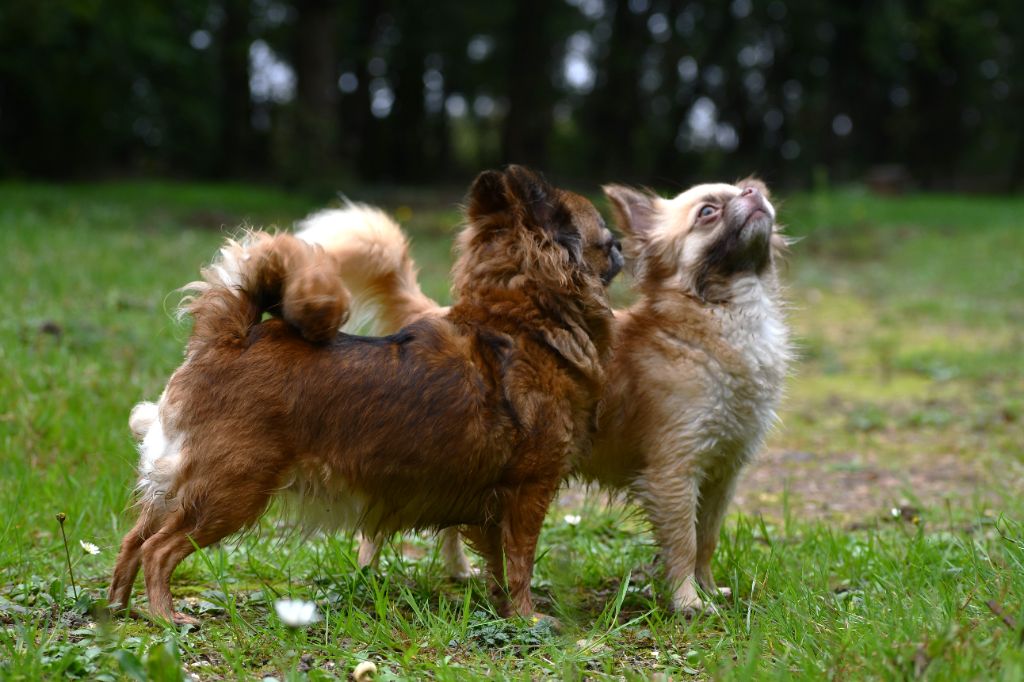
(176, 618)
(118, 611)
(699, 608)
(691, 609)
(179, 618)
(691, 601)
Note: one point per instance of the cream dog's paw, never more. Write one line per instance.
(687, 601)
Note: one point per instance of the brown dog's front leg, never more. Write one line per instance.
(524, 515)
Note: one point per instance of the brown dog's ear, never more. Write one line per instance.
(543, 208)
(487, 194)
(495, 191)
(528, 195)
(576, 347)
(533, 192)
(635, 211)
(757, 184)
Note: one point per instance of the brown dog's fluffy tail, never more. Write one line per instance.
(279, 275)
(371, 255)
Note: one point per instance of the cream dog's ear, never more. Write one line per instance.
(635, 211)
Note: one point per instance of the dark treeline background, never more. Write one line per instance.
(927, 93)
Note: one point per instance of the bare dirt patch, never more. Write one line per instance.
(857, 487)
(847, 488)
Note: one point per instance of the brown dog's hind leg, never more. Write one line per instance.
(207, 521)
(128, 561)
(161, 554)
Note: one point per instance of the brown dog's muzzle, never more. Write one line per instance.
(615, 262)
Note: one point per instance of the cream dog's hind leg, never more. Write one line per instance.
(456, 563)
(453, 554)
(369, 551)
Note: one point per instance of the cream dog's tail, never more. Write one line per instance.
(279, 275)
(371, 254)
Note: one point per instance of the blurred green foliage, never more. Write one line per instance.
(897, 92)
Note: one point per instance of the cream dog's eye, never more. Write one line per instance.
(706, 210)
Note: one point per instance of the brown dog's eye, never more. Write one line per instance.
(706, 211)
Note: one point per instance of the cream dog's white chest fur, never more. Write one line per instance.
(710, 387)
(744, 406)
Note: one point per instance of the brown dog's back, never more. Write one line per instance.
(346, 423)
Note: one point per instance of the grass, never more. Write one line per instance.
(909, 397)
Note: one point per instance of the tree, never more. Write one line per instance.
(529, 46)
(236, 104)
(612, 111)
(316, 67)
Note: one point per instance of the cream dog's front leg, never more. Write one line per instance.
(669, 493)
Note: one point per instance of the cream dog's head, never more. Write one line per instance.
(702, 240)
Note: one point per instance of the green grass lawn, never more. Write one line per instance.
(880, 535)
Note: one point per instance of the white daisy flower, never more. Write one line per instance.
(88, 547)
(573, 519)
(296, 613)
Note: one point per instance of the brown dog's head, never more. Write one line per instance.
(540, 256)
(701, 240)
(522, 230)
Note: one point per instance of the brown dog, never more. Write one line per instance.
(697, 366)
(469, 419)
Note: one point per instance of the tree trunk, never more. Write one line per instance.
(530, 92)
(316, 69)
(354, 110)
(406, 122)
(236, 103)
(614, 106)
